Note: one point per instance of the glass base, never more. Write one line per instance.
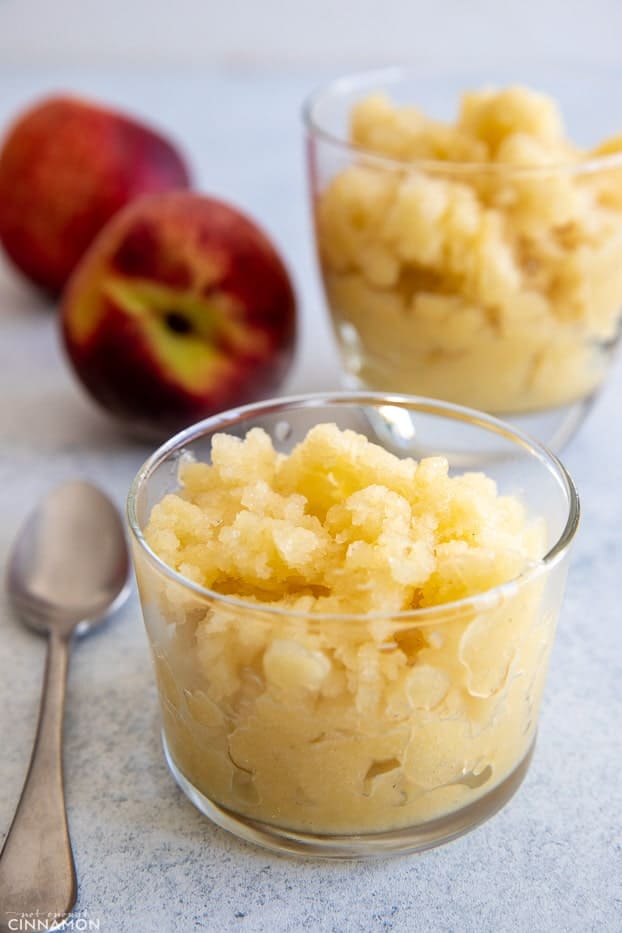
(553, 427)
(367, 845)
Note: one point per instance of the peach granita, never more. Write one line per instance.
(478, 261)
(342, 656)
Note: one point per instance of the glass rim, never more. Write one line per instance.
(487, 599)
(376, 80)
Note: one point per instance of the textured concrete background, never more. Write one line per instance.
(285, 32)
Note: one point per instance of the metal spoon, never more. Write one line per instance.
(68, 571)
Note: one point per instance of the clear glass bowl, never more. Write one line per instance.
(494, 285)
(432, 724)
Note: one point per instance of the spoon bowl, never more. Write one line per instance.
(69, 565)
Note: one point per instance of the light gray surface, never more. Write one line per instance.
(147, 861)
(309, 31)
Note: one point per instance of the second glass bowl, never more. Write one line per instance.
(489, 284)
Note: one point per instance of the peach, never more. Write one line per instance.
(66, 166)
(181, 307)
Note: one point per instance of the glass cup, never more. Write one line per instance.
(494, 285)
(356, 735)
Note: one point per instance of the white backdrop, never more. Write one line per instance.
(258, 33)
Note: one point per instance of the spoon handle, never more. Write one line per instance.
(37, 873)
